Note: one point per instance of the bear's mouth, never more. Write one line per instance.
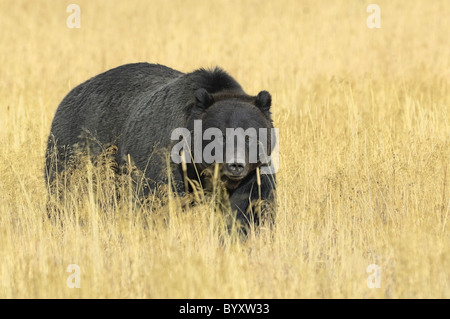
(231, 182)
(233, 178)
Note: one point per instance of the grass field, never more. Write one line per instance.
(364, 176)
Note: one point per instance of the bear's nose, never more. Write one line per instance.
(236, 168)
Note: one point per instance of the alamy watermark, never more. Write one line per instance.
(374, 279)
(74, 280)
(74, 19)
(236, 145)
(374, 20)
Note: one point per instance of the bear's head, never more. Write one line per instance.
(232, 130)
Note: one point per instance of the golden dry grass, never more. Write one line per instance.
(364, 140)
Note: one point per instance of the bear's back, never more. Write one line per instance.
(101, 104)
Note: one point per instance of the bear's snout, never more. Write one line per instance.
(236, 169)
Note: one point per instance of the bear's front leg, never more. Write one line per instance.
(254, 204)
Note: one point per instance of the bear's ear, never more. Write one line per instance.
(203, 98)
(263, 101)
